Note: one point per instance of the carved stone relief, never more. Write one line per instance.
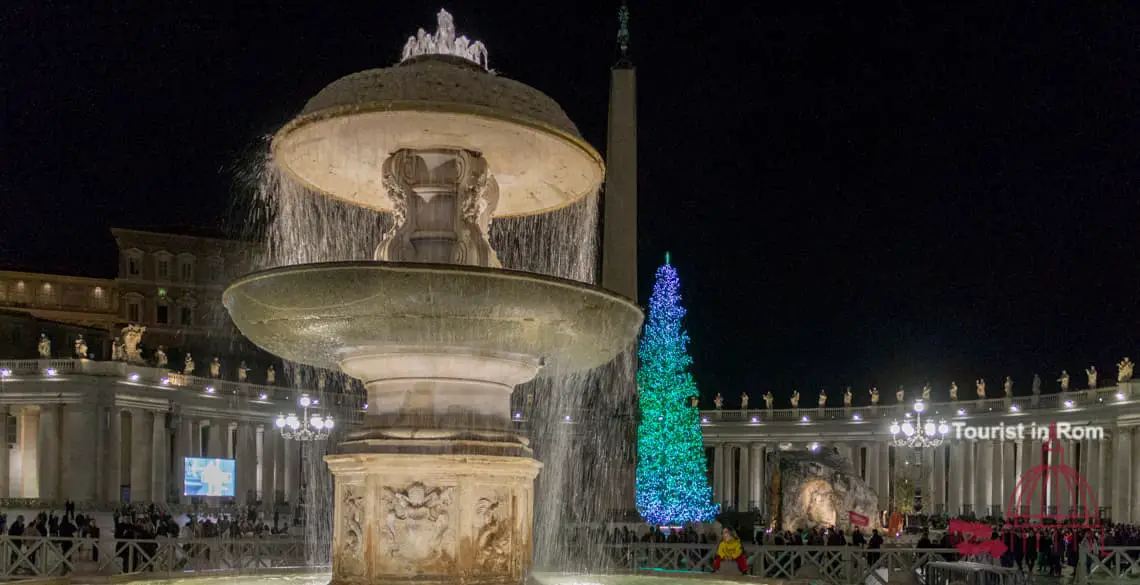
(417, 533)
(493, 521)
(350, 554)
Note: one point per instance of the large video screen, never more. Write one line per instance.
(209, 477)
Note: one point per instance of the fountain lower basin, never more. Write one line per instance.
(436, 486)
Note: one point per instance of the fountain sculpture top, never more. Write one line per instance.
(444, 42)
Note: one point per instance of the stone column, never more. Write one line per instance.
(1105, 491)
(1008, 477)
(884, 475)
(245, 447)
(5, 466)
(759, 477)
(29, 452)
(78, 471)
(744, 490)
(218, 446)
(984, 459)
(1024, 463)
(1122, 490)
(1036, 459)
(969, 481)
(280, 448)
(292, 473)
(160, 457)
(1135, 483)
(183, 447)
(938, 493)
(730, 476)
(48, 453)
(268, 466)
(927, 479)
(195, 426)
(873, 470)
(112, 479)
(718, 473)
(142, 433)
(1090, 471)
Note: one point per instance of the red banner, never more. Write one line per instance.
(857, 519)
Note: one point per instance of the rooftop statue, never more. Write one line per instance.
(822, 398)
(874, 396)
(718, 401)
(44, 347)
(160, 359)
(953, 391)
(1036, 384)
(188, 367)
(118, 353)
(1007, 387)
(243, 372)
(926, 392)
(1092, 375)
(795, 398)
(695, 402)
(1064, 380)
(847, 397)
(132, 335)
(1124, 370)
(980, 384)
(900, 395)
(444, 42)
(215, 368)
(768, 399)
(744, 401)
(270, 376)
(80, 347)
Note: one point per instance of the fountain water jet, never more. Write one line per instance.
(436, 486)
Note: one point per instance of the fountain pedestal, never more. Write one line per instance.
(432, 518)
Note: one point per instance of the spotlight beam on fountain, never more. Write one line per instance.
(436, 486)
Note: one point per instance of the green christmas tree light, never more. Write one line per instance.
(672, 486)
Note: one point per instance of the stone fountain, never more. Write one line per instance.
(436, 486)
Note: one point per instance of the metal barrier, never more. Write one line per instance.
(835, 565)
(25, 558)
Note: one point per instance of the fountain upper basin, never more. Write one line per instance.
(339, 142)
(322, 314)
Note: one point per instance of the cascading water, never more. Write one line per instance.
(586, 456)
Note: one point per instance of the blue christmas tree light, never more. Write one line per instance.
(672, 486)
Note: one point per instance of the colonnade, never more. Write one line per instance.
(85, 452)
(967, 476)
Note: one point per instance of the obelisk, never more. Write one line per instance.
(619, 234)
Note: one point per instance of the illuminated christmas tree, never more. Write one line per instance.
(672, 486)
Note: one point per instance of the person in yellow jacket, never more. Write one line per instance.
(730, 549)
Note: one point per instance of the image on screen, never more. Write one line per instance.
(209, 477)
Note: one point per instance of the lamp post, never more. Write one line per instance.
(918, 435)
(307, 427)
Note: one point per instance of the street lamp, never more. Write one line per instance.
(918, 435)
(306, 427)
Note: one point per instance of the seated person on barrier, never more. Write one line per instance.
(730, 549)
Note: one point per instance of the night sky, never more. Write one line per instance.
(853, 194)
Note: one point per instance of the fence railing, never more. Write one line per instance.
(25, 558)
(835, 565)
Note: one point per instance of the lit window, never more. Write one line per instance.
(100, 297)
(47, 294)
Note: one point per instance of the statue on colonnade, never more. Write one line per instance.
(44, 347)
(80, 347)
(874, 396)
(188, 367)
(744, 401)
(822, 397)
(215, 368)
(926, 392)
(1124, 370)
(795, 398)
(1064, 380)
(847, 397)
(900, 396)
(1007, 387)
(719, 401)
(271, 379)
(980, 384)
(953, 391)
(1092, 375)
(243, 372)
(160, 359)
(132, 335)
(768, 399)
